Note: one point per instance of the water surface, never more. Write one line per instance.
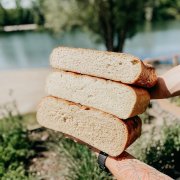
(31, 49)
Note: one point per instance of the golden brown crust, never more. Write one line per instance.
(132, 125)
(76, 74)
(134, 129)
(142, 97)
(147, 77)
(82, 50)
(80, 106)
(141, 94)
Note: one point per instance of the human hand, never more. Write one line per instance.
(168, 85)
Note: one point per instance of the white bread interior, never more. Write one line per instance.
(96, 128)
(109, 65)
(115, 98)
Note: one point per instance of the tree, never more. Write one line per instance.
(112, 20)
(166, 9)
(3, 14)
(37, 11)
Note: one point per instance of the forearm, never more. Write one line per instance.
(168, 85)
(126, 167)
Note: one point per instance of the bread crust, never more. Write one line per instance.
(142, 96)
(132, 125)
(134, 129)
(145, 78)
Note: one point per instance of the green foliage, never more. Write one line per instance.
(81, 160)
(17, 174)
(162, 149)
(166, 9)
(38, 12)
(15, 147)
(112, 21)
(20, 15)
(10, 117)
(15, 16)
(61, 15)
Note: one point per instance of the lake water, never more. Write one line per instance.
(31, 49)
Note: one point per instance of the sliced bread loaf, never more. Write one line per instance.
(112, 97)
(109, 65)
(96, 128)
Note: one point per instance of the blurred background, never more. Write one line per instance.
(30, 29)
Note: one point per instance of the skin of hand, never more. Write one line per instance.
(168, 85)
(125, 166)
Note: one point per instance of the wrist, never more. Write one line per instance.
(108, 162)
(111, 161)
(102, 157)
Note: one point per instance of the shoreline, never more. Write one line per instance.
(25, 87)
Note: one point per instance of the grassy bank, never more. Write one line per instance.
(18, 148)
(81, 161)
(162, 153)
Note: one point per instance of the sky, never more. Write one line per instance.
(8, 4)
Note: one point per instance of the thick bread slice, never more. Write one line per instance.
(96, 128)
(112, 97)
(109, 65)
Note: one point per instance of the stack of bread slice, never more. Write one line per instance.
(95, 96)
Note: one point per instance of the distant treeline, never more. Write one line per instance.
(20, 15)
(154, 10)
(112, 21)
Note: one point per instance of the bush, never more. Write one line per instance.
(15, 148)
(163, 154)
(161, 150)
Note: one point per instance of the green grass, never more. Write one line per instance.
(161, 150)
(16, 148)
(81, 161)
(162, 153)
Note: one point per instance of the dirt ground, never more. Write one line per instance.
(48, 163)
